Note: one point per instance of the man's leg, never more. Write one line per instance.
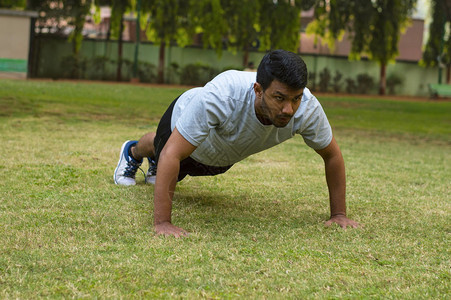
(144, 147)
(131, 158)
(149, 146)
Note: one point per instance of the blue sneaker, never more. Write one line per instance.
(126, 167)
(151, 172)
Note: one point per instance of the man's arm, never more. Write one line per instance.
(336, 182)
(176, 149)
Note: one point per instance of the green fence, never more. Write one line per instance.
(98, 60)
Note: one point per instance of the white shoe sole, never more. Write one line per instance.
(121, 157)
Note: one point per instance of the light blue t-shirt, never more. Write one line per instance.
(220, 120)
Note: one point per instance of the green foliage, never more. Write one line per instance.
(102, 68)
(173, 73)
(351, 86)
(147, 72)
(327, 82)
(331, 20)
(279, 24)
(311, 81)
(365, 84)
(74, 66)
(99, 65)
(118, 9)
(394, 80)
(438, 46)
(60, 12)
(336, 81)
(374, 26)
(241, 16)
(13, 4)
(208, 17)
(324, 80)
(197, 74)
(226, 68)
(168, 21)
(78, 10)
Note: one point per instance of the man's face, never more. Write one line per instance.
(277, 104)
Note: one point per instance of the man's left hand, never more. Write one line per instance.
(342, 221)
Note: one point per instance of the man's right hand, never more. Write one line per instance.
(167, 229)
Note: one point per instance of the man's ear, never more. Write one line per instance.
(258, 89)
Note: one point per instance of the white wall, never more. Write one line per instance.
(14, 42)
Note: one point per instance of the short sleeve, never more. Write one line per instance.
(205, 112)
(316, 130)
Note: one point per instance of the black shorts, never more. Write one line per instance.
(188, 166)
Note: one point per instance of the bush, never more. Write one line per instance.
(393, 80)
(312, 81)
(74, 66)
(197, 74)
(127, 69)
(336, 82)
(97, 68)
(351, 87)
(227, 68)
(147, 72)
(365, 83)
(173, 73)
(324, 80)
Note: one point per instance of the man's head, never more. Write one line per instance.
(284, 66)
(281, 79)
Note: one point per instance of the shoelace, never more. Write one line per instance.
(152, 171)
(131, 169)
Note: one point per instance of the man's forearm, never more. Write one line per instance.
(336, 182)
(167, 173)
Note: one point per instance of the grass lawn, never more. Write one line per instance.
(66, 231)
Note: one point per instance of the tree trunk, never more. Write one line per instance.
(119, 51)
(246, 57)
(160, 78)
(382, 82)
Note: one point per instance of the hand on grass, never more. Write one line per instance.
(342, 221)
(167, 229)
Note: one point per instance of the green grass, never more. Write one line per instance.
(66, 231)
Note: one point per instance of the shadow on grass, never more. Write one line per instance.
(220, 214)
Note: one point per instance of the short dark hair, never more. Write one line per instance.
(285, 66)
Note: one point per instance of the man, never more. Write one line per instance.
(207, 130)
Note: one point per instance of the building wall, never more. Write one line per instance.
(14, 43)
(409, 45)
(50, 62)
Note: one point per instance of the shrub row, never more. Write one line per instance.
(103, 68)
(362, 84)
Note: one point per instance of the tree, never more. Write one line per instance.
(76, 12)
(239, 24)
(438, 47)
(57, 13)
(12, 4)
(279, 24)
(118, 9)
(208, 18)
(375, 27)
(241, 18)
(168, 22)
